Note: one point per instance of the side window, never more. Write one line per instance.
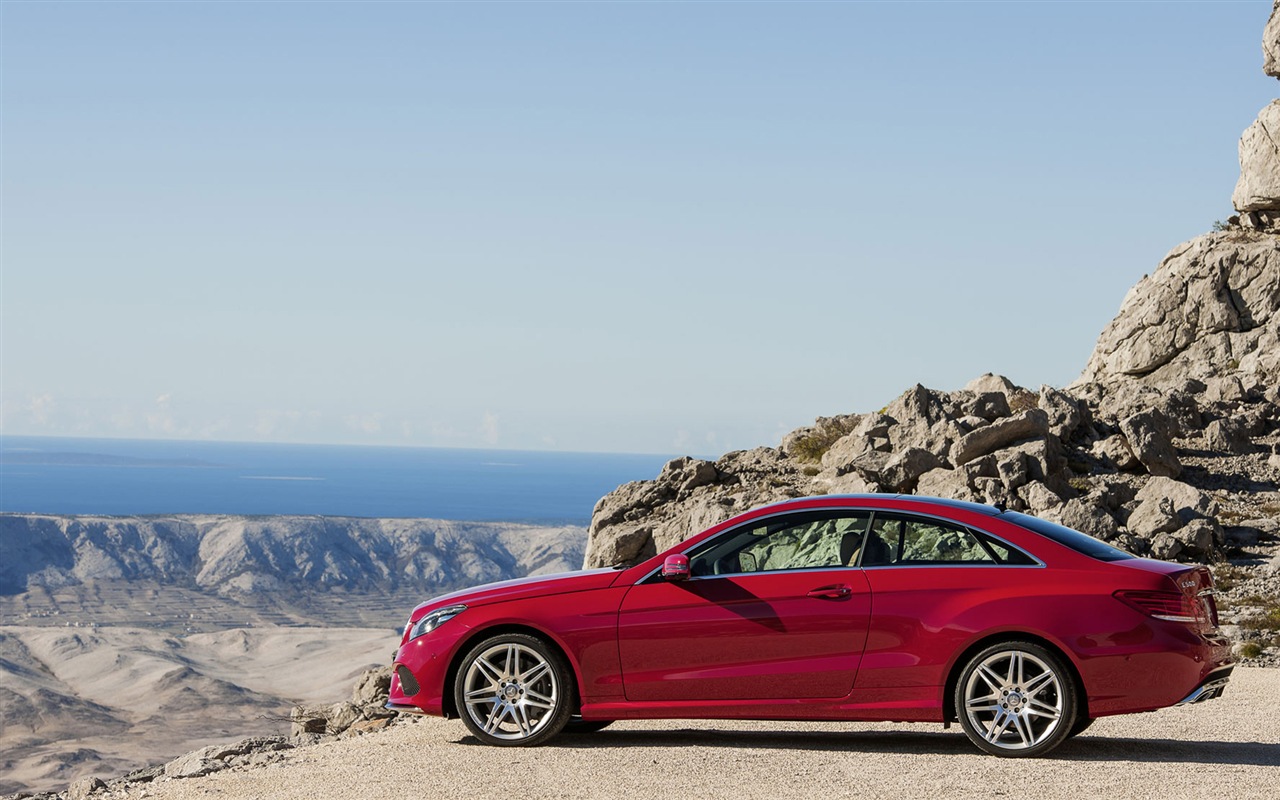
(905, 540)
(796, 541)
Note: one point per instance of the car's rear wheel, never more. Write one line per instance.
(1016, 699)
(514, 690)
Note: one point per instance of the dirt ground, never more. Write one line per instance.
(1228, 747)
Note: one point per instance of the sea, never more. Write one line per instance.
(127, 477)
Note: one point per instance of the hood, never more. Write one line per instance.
(535, 586)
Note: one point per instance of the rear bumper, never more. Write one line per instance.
(1214, 685)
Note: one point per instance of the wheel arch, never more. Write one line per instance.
(449, 707)
(949, 713)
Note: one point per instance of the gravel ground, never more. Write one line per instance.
(1227, 747)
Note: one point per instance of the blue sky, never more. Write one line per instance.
(647, 227)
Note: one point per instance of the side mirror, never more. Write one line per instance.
(676, 567)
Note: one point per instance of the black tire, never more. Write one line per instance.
(1016, 699)
(579, 725)
(1082, 724)
(522, 691)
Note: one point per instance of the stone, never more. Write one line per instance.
(1025, 425)
(990, 382)
(1165, 547)
(1205, 311)
(1226, 436)
(1086, 516)
(901, 472)
(1038, 497)
(687, 474)
(1189, 502)
(1200, 538)
(1117, 451)
(1147, 434)
(988, 405)
(621, 544)
(193, 765)
(373, 686)
(1063, 411)
(369, 725)
(942, 482)
(1258, 188)
(340, 716)
(1012, 468)
(1154, 515)
(846, 450)
(84, 787)
(1271, 43)
(306, 719)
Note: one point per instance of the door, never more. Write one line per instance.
(771, 611)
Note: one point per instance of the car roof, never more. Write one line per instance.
(843, 500)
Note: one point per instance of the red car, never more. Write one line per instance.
(870, 607)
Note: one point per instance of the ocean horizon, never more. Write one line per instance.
(136, 477)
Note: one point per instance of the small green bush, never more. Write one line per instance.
(1250, 650)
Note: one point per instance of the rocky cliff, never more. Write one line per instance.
(1168, 444)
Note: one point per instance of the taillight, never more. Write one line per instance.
(1171, 606)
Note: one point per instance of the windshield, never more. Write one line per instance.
(1068, 537)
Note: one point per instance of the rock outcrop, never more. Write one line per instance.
(1180, 399)
(1271, 43)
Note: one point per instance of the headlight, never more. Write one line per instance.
(434, 620)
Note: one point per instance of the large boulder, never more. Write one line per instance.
(1258, 188)
(1209, 309)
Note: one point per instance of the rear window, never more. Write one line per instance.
(1067, 537)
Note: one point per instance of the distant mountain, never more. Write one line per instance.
(230, 555)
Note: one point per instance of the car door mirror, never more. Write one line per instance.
(676, 567)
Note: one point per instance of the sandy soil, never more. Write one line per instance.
(1224, 748)
(76, 702)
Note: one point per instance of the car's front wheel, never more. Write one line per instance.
(513, 690)
(1016, 699)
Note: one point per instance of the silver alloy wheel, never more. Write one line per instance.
(510, 691)
(1014, 700)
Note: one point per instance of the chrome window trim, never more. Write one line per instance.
(873, 511)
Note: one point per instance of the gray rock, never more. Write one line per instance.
(1200, 538)
(340, 716)
(1259, 186)
(1208, 308)
(1117, 451)
(1063, 411)
(1025, 425)
(1226, 436)
(1189, 502)
(901, 472)
(193, 765)
(1086, 516)
(990, 382)
(949, 483)
(1164, 546)
(307, 719)
(84, 787)
(1271, 43)
(1038, 497)
(988, 405)
(1154, 515)
(1147, 434)
(373, 686)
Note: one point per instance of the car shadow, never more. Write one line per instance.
(1081, 748)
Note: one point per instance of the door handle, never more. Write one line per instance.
(831, 592)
